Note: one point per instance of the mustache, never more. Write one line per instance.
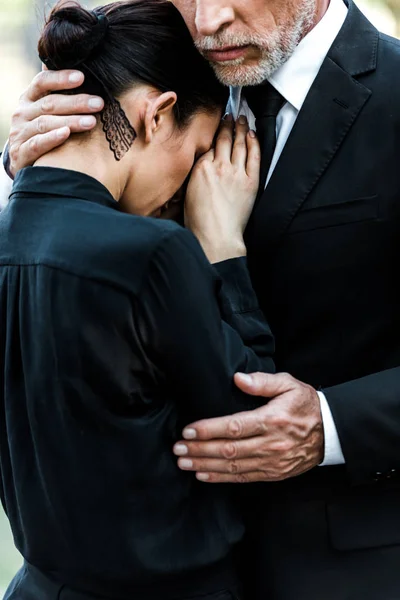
(224, 40)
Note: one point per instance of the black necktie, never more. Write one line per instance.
(265, 102)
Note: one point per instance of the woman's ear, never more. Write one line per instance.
(159, 114)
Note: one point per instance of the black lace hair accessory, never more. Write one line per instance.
(119, 132)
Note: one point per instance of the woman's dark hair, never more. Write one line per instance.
(123, 43)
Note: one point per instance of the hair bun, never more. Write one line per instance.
(71, 35)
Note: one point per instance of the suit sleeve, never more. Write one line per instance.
(181, 324)
(366, 412)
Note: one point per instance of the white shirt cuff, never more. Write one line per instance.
(333, 454)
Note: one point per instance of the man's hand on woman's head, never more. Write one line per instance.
(44, 118)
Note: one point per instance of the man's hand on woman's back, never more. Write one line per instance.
(44, 118)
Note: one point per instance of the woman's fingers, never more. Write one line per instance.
(38, 145)
(253, 157)
(239, 151)
(223, 144)
(47, 82)
(208, 156)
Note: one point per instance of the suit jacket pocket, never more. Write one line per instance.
(339, 213)
(368, 520)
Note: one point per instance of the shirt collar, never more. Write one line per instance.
(295, 77)
(54, 182)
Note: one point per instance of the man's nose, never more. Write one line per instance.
(213, 15)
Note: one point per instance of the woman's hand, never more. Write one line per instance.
(222, 190)
(45, 119)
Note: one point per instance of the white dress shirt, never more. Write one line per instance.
(293, 81)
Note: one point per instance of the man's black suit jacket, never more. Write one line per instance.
(324, 249)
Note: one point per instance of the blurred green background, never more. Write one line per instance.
(20, 22)
(10, 560)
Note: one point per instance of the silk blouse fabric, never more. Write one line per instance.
(115, 333)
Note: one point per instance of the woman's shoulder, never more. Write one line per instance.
(147, 239)
(151, 248)
(148, 233)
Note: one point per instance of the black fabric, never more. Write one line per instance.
(323, 252)
(32, 584)
(111, 341)
(265, 102)
(298, 552)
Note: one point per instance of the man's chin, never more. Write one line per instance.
(240, 75)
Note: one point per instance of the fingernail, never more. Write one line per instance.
(95, 102)
(180, 449)
(87, 121)
(202, 476)
(252, 133)
(246, 378)
(228, 117)
(61, 133)
(185, 463)
(75, 77)
(189, 434)
(242, 120)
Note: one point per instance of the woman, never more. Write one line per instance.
(116, 330)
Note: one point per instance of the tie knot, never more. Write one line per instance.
(264, 100)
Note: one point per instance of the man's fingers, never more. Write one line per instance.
(240, 425)
(224, 141)
(239, 152)
(47, 81)
(251, 477)
(267, 385)
(34, 148)
(60, 104)
(215, 465)
(225, 449)
(47, 123)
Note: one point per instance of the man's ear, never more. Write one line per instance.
(159, 112)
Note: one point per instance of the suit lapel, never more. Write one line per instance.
(328, 113)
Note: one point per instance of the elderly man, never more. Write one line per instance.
(323, 248)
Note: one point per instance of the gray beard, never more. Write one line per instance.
(276, 49)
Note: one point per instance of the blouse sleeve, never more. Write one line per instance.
(180, 308)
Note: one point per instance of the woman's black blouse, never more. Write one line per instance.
(111, 341)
